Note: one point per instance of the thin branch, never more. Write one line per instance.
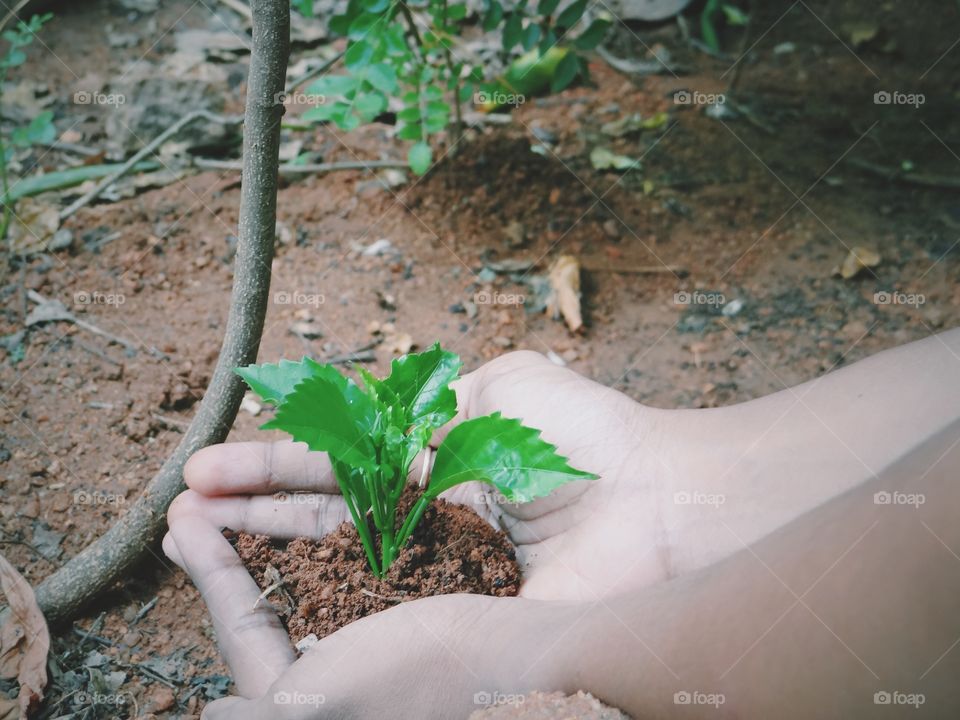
(146, 150)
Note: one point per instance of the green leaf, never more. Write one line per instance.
(375, 6)
(421, 382)
(330, 419)
(274, 382)
(369, 105)
(304, 7)
(419, 157)
(512, 31)
(505, 453)
(383, 77)
(593, 35)
(457, 11)
(571, 14)
(333, 85)
(410, 131)
(493, 16)
(566, 72)
(409, 115)
(547, 7)
(530, 36)
(358, 55)
(362, 25)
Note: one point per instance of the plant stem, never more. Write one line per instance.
(413, 519)
(110, 557)
(448, 59)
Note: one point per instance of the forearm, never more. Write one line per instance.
(852, 599)
(772, 459)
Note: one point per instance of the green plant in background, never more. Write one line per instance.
(731, 14)
(40, 129)
(373, 432)
(408, 57)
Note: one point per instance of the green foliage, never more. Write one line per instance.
(373, 432)
(730, 13)
(40, 129)
(408, 57)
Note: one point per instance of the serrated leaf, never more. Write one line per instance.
(421, 382)
(331, 419)
(273, 382)
(505, 453)
(419, 158)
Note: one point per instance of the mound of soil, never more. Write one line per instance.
(326, 584)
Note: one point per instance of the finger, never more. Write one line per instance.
(258, 468)
(284, 516)
(251, 638)
(171, 550)
(228, 708)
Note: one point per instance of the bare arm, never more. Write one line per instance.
(852, 599)
(775, 458)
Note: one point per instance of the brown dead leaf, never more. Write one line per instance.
(24, 639)
(565, 291)
(32, 226)
(856, 260)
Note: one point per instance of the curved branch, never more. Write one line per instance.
(123, 545)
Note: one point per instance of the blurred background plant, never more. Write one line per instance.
(40, 129)
(410, 59)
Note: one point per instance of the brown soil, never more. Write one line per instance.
(328, 584)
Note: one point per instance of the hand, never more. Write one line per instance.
(579, 542)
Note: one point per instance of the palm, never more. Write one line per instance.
(581, 541)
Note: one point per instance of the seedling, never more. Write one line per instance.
(373, 432)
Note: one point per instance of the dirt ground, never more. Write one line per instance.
(754, 210)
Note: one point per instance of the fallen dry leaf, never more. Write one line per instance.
(565, 291)
(32, 226)
(24, 640)
(856, 260)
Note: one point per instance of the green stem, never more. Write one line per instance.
(413, 519)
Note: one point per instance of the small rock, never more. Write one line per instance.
(732, 308)
(378, 247)
(249, 405)
(611, 228)
(471, 308)
(516, 234)
(160, 699)
(501, 341)
(306, 643)
(399, 344)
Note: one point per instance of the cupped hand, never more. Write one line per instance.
(585, 541)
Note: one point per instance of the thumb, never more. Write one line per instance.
(228, 708)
